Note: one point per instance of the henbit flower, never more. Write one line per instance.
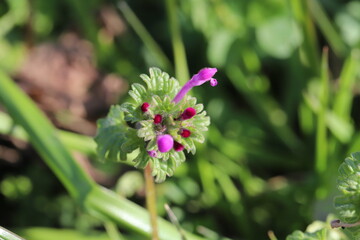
(165, 142)
(178, 146)
(157, 119)
(204, 75)
(188, 113)
(144, 107)
(185, 133)
(152, 153)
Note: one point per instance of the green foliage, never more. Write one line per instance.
(348, 204)
(298, 235)
(318, 231)
(112, 135)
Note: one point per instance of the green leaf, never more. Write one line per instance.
(142, 159)
(348, 204)
(111, 135)
(298, 235)
(131, 113)
(146, 131)
(159, 83)
(138, 93)
(279, 36)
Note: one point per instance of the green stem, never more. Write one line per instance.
(151, 201)
(112, 231)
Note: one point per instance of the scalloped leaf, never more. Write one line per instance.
(138, 93)
(160, 83)
(299, 235)
(146, 131)
(111, 135)
(163, 168)
(348, 204)
(131, 113)
(141, 159)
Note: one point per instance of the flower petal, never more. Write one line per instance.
(165, 142)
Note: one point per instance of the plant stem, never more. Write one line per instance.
(151, 201)
(337, 223)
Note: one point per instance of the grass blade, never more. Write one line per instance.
(44, 138)
(145, 36)
(7, 235)
(321, 131)
(326, 27)
(181, 66)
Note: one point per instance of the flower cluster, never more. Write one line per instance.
(162, 123)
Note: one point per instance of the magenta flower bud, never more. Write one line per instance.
(178, 146)
(144, 107)
(157, 119)
(185, 133)
(188, 113)
(204, 75)
(213, 82)
(165, 143)
(152, 153)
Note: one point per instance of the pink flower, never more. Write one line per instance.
(178, 146)
(165, 142)
(152, 153)
(144, 107)
(185, 133)
(188, 113)
(157, 119)
(204, 75)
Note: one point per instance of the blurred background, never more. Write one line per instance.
(280, 125)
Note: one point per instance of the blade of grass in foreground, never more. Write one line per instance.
(73, 141)
(7, 235)
(98, 201)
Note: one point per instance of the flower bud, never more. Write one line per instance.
(144, 107)
(157, 119)
(178, 146)
(213, 82)
(185, 133)
(165, 142)
(188, 113)
(152, 153)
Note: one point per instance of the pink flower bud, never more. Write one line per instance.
(152, 153)
(145, 106)
(178, 146)
(165, 142)
(188, 113)
(213, 82)
(157, 119)
(185, 133)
